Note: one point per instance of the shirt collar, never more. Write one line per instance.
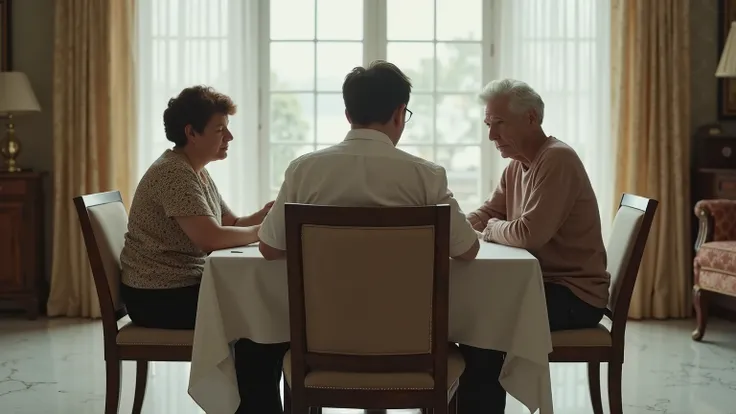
(369, 135)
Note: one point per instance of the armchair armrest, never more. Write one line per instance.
(717, 221)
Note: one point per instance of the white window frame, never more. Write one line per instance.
(374, 47)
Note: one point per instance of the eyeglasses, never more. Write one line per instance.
(408, 116)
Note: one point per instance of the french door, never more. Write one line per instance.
(442, 45)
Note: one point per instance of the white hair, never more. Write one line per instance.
(521, 96)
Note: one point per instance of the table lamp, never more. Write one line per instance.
(727, 64)
(16, 98)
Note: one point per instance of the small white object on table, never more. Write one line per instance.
(496, 302)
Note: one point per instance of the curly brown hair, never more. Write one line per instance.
(194, 106)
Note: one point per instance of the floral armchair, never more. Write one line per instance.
(714, 265)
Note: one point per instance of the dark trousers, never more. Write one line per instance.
(257, 366)
(480, 392)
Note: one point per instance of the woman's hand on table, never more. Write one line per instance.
(261, 214)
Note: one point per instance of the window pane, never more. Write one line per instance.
(459, 19)
(416, 60)
(292, 19)
(340, 19)
(331, 122)
(420, 128)
(334, 61)
(426, 151)
(292, 66)
(459, 67)
(463, 174)
(580, 18)
(292, 118)
(281, 156)
(459, 119)
(410, 19)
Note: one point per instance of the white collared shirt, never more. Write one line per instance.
(365, 170)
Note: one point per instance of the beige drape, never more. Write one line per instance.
(650, 90)
(94, 130)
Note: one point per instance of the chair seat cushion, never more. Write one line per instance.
(598, 336)
(131, 334)
(381, 381)
(715, 267)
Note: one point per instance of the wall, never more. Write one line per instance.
(33, 52)
(703, 61)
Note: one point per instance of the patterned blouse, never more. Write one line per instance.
(157, 253)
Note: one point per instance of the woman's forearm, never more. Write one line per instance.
(209, 235)
(247, 221)
(233, 236)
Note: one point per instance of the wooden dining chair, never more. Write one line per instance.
(104, 221)
(368, 308)
(625, 248)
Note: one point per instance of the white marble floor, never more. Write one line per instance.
(56, 366)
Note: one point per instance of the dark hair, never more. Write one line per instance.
(194, 106)
(372, 95)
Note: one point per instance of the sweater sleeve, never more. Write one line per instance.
(494, 207)
(556, 184)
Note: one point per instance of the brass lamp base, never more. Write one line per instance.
(10, 148)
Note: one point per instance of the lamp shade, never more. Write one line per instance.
(727, 64)
(16, 94)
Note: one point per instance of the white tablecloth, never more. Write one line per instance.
(496, 302)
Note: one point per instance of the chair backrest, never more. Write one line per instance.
(368, 289)
(625, 248)
(104, 221)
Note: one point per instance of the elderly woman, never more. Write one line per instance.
(177, 216)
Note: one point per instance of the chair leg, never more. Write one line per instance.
(453, 405)
(700, 302)
(112, 386)
(614, 387)
(594, 386)
(296, 405)
(287, 398)
(141, 376)
(296, 408)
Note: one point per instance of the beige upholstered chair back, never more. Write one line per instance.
(368, 290)
(625, 246)
(104, 222)
(109, 224)
(625, 228)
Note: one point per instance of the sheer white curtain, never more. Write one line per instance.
(183, 43)
(561, 48)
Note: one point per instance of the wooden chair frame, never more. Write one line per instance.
(613, 355)
(707, 233)
(298, 397)
(115, 353)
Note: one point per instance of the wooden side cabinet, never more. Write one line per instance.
(23, 283)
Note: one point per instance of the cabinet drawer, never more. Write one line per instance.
(12, 234)
(725, 186)
(12, 187)
(716, 152)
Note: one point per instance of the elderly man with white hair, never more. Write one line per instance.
(544, 203)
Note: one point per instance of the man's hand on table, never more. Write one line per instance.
(486, 235)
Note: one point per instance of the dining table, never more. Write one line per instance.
(496, 302)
